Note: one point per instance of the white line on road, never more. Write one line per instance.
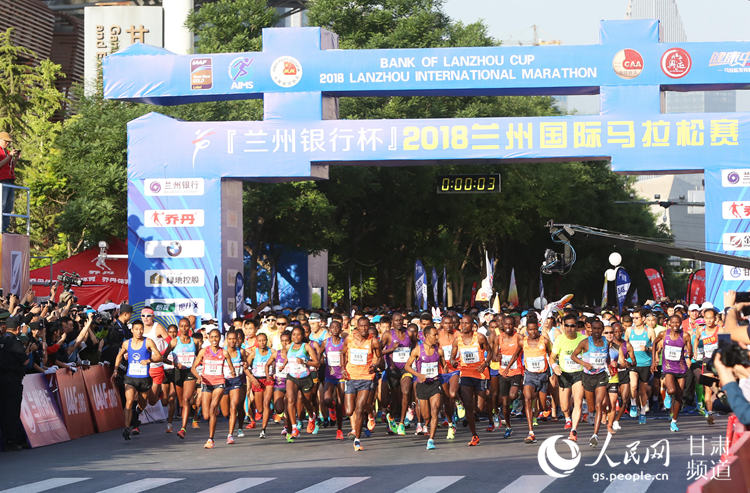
(334, 484)
(622, 486)
(239, 484)
(45, 485)
(430, 484)
(528, 482)
(141, 485)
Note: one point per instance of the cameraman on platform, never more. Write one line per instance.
(732, 359)
(8, 159)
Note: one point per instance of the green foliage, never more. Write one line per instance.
(229, 26)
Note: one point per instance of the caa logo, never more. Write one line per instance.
(286, 71)
(241, 73)
(551, 462)
(627, 63)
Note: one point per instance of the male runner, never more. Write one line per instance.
(397, 346)
(536, 350)
(569, 373)
(592, 354)
(333, 395)
(508, 351)
(448, 374)
(641, 338)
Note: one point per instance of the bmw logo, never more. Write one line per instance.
(174, 249)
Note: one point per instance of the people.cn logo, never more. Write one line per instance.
(552, 463)
(240, 72)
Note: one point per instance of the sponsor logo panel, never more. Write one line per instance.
(735, 178)
(286, 71)
(201, 73)
(676, 63)
(241, 72)
(627, 63)
(736, 241)
(177, 306)
(732, 273)
(174, 277)
(160, 187)
(180, 218)
(175, 249)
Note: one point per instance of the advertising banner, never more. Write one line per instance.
(435, 286)
(420, 285)
(40, 416)
(74, 403)
(513, 289)
(103, 398)
(622, 286)
(656, 282)
(696, 290)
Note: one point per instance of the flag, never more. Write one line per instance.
(656, 282)
(696, 292)
(622, 285)
(496, 304)
(239, 295)
(541, 286)
(420, 285)
(435, 286)
(605, 294)
(485, 291)
(473, 293)
(634, 299)
(445, 287)
(513, 289)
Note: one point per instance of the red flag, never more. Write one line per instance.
(656, 282)
(473, 294)
(696, 292)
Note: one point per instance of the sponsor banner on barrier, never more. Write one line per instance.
(735, 209)
(39, 413)
(104, 399)
(74, 403)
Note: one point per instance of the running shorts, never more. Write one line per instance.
(567, 379)
(182, 376)
(427, 389)
(445, 377)
(644, 373)
(141, 385)
(507, 382)
(592, 381)
(305, 384)
(475, 383)
(169, 375)
(354, 386)
(234, 383)
(539, 381)
(676, 375)
(210, 388)
(157, 374)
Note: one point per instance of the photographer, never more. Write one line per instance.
(728, 376)
(732, 324)
(8, 159)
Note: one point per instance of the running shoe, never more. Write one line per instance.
(616, 426)
(668, 402)
(250, 425)
(451, 432)
(284, 432)
(196, 426)
(460, 410)
(592, 419)
(430, 444)
(594, 440)
(673, 426)
(508, 433)
(299, 424)
(445, 423)
(316, 428)
(367, 433)
(710, 417)
(491, 426)
(474, 441)
(289, 438)
(496, 420)
(371, 424)
(633, 411)
(181, 433)
(391, 423)
(310, 425)
(240, 433)
(126, 434)
(543, 415)
(641, 419)
(135, 431)
(419, 430)
(702, 409)
(209, 443)
(358, 446)
(573, 436)
(534, 422)
(332, 414)
(530, 438)
(401, 430)
(410, 414)
(262, 434)
(645, 409)
(339, 435)
(169, 427)
(568, 425)
(351, 435)
(230, 440)
(277, 418)
(295, 432)
(258, 416)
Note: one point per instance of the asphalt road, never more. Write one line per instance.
(162, 462)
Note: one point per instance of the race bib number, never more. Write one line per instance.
(570, 365)
(358, 356)
(279, 372)
(699, 354)
(447, 350)
(334, 358)
(186, 359)
(213, 367)
(259, 368)
(535, 363)
(709, 349)
(401, 355)
(505, 360)
(430, 370)
(672, 353)
(470, 356)
(138, 370)
(294, 367)
(638, 345)
(598, 360)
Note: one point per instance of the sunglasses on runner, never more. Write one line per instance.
(571, 325)
(147, 316)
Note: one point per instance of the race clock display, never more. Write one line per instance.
(468, 183)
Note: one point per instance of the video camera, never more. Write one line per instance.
(69, 279)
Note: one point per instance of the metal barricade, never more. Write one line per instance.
(28, 204)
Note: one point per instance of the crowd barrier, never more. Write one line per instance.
(732, 473)
(68, 405)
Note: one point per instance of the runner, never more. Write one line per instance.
(623, 373)
(428, 357)
(361, 356)
(262, 386)
(139, 352)
(397, 346)
(183, 350)
(569, 373)
(333, 395)
(708, 341)
(492, 334)
(675, 347)
(235, 385)
(275, 365)
(592, 354)
(212, 358)
(536, 350)
(641, 339)
(448, 375)
(151, 328)
(168, 393)
(300, 356)
(318, 335)
(508, 351)
(467, 355)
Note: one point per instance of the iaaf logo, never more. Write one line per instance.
(552, 463)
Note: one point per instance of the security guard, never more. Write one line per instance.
(13, 359)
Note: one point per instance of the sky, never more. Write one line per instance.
(577, 21)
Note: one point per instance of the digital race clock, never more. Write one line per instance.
(468, 183)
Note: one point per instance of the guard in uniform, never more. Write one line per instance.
(13, 359)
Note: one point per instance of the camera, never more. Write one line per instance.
(743, 297)
(69, 279)
(732, 354)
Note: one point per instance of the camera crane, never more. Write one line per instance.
(561, 263)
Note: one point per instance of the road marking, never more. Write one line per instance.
(528, 482)
(45, 485)
(431, 484)
(239, 484)
(141, 485)
(334, 484)
(622, 486)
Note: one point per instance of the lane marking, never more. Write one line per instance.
(141, 485)
(334, 484)
(528, 482)
(237, 485)
(622, 486)
(45, 485)
(431, 484)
